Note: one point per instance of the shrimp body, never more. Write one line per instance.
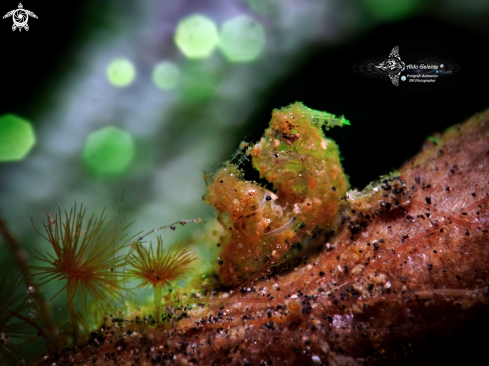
(308, 179)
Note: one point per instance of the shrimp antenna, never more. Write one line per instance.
(120, 204)
(171, 226)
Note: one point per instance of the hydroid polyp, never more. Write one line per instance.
(159, 269)
(86, 256)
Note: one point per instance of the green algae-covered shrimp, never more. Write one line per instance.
(305, 169)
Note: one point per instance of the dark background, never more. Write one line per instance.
(402, 117)
(33, 61)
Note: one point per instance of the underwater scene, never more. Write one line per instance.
(246, 182)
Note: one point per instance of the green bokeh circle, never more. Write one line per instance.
(390, 10)
(196, 36)
(242, 39)
(166, 75)
(121, 72)
(109, 151)
(16, 138)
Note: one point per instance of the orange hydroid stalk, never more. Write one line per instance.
(85, 256)
(305, 169)
(158, 269)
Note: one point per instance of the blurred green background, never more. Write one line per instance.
(156, 92)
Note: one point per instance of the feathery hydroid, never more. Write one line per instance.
(86, 256)
(158, 269)
(13, 332)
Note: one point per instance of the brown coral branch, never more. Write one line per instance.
(417, 276)
(21, 257)
(52, 348)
